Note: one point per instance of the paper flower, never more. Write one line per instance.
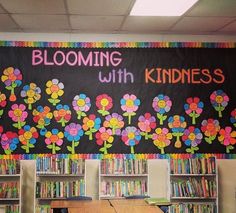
(12, 78)
(54, 140)
(233, 117)
(91, 124)
(104, 103)
(177, 125)
(55, 90)
(3, 103)
(27, 137)
(131, 136)
(193, 108)
(161, 138)
(18, 114)
(104, 136)
(31, 93)
(42, 116)
(219, 101)
(227, 138)
(81, 104)
(146, 124)
(161, 104)
(192, 137)
(115, 122)
(210, 128)
(129, 104)
(73, 132)
(62, 114)
(9, 141)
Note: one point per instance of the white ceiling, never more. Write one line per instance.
(214, 17)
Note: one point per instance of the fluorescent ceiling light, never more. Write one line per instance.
(161, 7)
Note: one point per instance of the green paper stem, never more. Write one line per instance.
(228, 148)
(114, 130)
(18, 124)
(63, 123)
(27, 147)
(90, 136)
(178, 142)
(194, 118)
(73, 147)
(132, 149)
(79, 115)
(146, 136)
(30, 106)
(162, 150)
(105, 147)
(53, 148)
(129, 118)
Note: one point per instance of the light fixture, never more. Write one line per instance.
(161, 7)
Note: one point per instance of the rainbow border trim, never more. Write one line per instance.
(120, 156)
(118, 44)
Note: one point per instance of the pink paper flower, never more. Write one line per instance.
(146, 124)
(227, 138)
(18, 114)
(104, 136)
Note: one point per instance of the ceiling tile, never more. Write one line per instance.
(34, 6)
(229, 28)
(43, 22)
(148, 24)
(99, 7)
(214, 8)
(96, 22)
(196, 24)
(6, 23)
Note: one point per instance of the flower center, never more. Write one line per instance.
(62, 113)
(104, 102)
(192, 136)
(161, 137)
(210, 127)
(12, 77)
(73, 131)
(81, 102)
(54, 88)
(161, 104)
(30, 93)
(193, 106)
(176, 123)
(131, 135)
(17, 112)
(129, 103)
(113, 121)
(90, 123)
(54, 138)
(104, 136)
(27, 135)
(219, 99)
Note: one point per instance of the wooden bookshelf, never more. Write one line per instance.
(58, 179)
(119, 178)
(10, 185)
(194, 185)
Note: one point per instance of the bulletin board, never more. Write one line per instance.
(125, 98)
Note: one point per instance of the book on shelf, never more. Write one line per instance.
(192, 208)
(9, 189)
(64, 166)
(122, 188)
(9, 167)
(158, 201)
(123, 166)
(60, 189)
(193, 166)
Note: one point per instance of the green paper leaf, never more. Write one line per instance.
(8, 152)
(24, 147)
(164, 117)
(69, 148)
(49, 146)
(57, 148)
(22, 123)
(196, 148)
(76, 143)
(56, 101)
(197, 115)
(132, 113)
(108, 145)
(83, 114)
(8, 87)
(15, 125)
(142, 133)
(31, 145)
(208, 140)
(100, 111)
(102, 149)
(159, 115)
(1, 112)
(126, 114)
(93, 130)
(188, 150)
(87, 133)
(14, 85)
(105, 113)
(26, 101)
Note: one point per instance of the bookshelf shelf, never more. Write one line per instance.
(58, 179)
(194, 181)
(10, 185)
(119, 178)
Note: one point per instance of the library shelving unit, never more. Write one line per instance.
(119, 178)
(58, 179)
(194, 185)
(10, 186)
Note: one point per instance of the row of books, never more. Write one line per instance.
(52, 165)
(9, 167)
(123, 166)
(193, 166)
(12, 209)
(123, 188)
(194, 187)
(9, 189)
(60, 189)
(193, 208)
(43, 209)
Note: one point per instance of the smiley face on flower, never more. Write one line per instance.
(81, 104)
(219, 101)
(91, 124)
(18, 114)
(54, 139)
(62, 114)
(104, 103)
(104, 137)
